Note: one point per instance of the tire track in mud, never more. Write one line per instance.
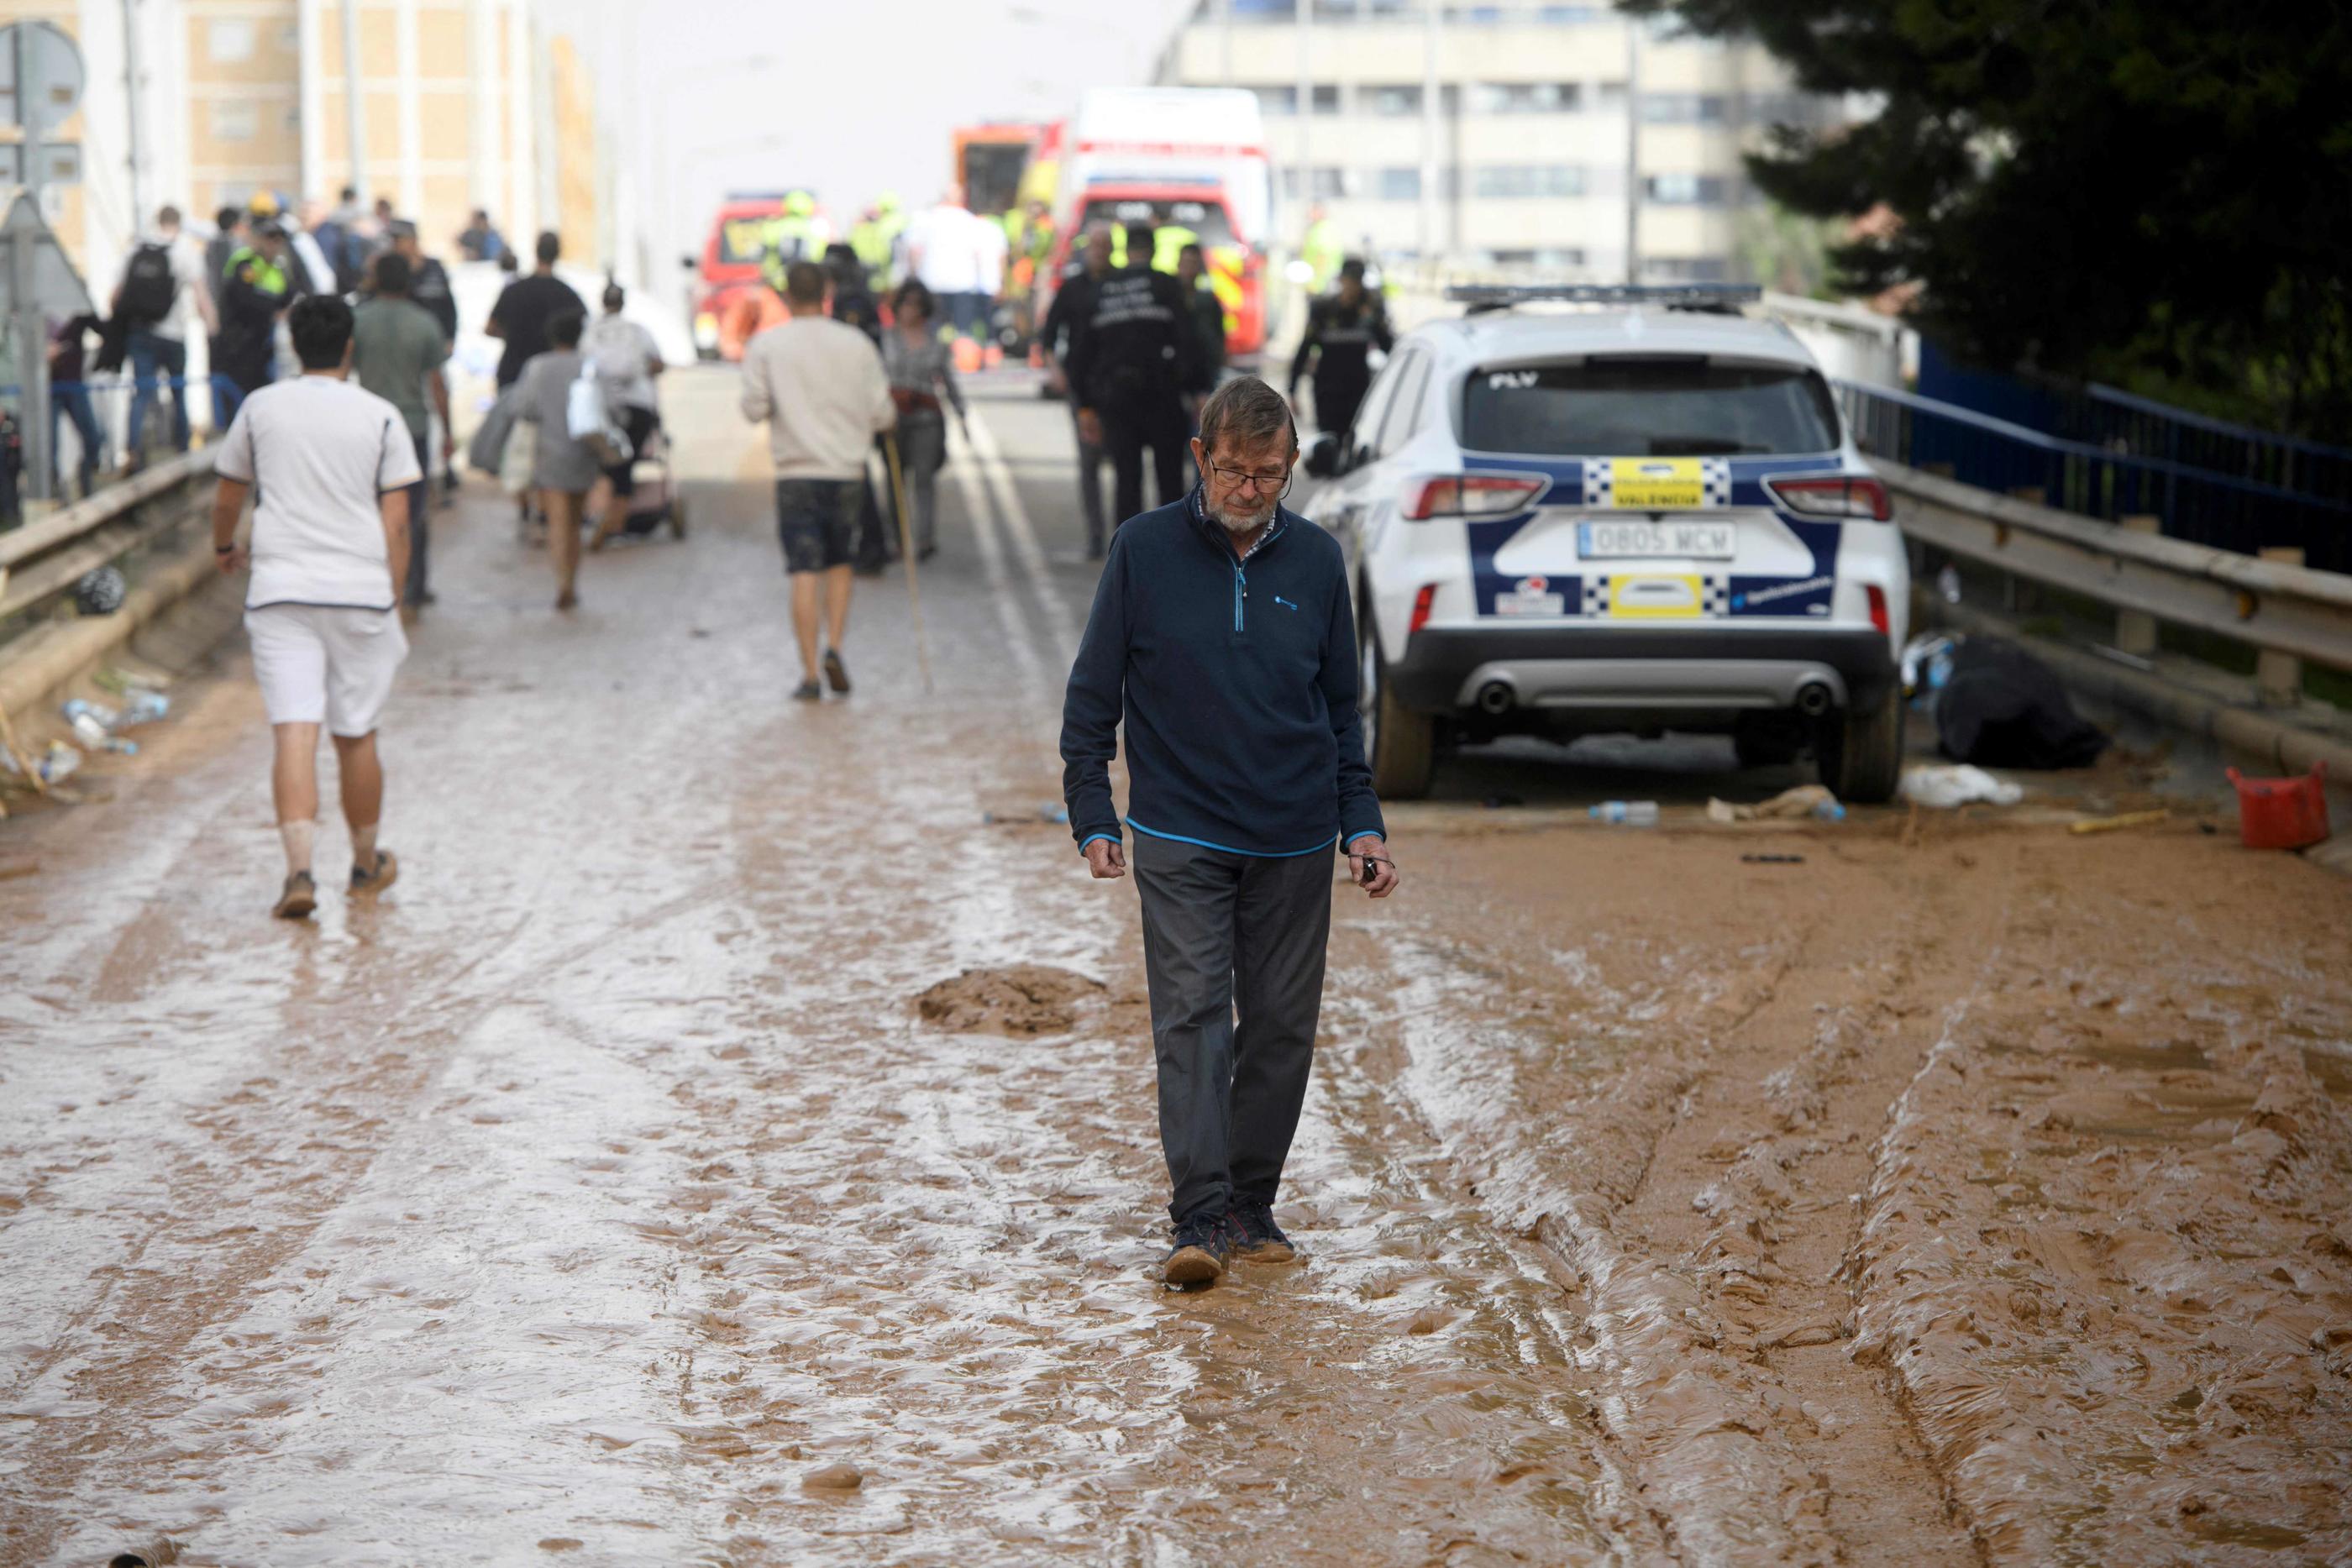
(932, 1256)
(1673, 1136)
(2103, 1255)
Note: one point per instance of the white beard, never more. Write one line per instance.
(1244, 524)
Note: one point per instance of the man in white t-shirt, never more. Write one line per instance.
(330, 462)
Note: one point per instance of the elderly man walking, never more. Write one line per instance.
(1222, 633)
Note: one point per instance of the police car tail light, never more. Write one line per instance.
(1839, 496)
(1878, 610)
(1467, 495)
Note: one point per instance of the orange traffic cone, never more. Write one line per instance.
(966, 356)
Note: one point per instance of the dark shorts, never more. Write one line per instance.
(816, 520)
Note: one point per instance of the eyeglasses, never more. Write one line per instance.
(1259, 484)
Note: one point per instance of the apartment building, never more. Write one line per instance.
(464, 104)
(1526, 136)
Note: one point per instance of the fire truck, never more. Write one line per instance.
(729, 265)
(1192, 159)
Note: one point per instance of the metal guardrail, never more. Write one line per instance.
(2196, 505)
(48, 555)
(2290, 610)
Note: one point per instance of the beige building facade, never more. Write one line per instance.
(464, 104)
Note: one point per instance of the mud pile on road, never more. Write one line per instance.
(1021, 999)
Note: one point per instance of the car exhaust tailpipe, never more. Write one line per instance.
(1497, 698)
(1814, 699)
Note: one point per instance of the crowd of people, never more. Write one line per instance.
(234, 283)
(1245, 751)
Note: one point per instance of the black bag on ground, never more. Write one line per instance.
(147, 286)
(2003, 707)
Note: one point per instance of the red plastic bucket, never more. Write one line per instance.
(2282, 813)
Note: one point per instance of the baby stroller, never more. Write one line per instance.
(654, 498)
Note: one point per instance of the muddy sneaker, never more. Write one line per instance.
(1199, 1255)
(808, 692)
(382, 875)
(300, 896)
(1260, 1240)
(836, 674)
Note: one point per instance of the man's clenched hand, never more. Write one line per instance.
(1371, 848)
(1107, 858)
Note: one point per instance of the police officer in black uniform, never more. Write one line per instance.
(1074, 301)
(1342, 328)
(1131, 361)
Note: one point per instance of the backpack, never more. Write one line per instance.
(149, 288)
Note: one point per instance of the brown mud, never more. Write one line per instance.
(631, 1179)
(1018, 999)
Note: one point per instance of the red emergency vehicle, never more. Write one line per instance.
(730, 261)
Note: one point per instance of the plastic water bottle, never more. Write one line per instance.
(1631, 813)
(1829, 811)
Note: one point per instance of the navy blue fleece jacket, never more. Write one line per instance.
(1237, 680)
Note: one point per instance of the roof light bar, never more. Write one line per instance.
(1672, 296)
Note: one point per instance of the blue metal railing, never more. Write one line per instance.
(2110, 417)
(2200, 504)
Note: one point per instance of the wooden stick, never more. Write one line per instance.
(907, 552)
(2128, 820)
(8, 738)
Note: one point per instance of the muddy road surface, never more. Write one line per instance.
(738, 1098)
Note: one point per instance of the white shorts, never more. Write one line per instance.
(326, 664)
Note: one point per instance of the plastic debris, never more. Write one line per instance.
(121, 683)
(1058, 816)
(100, 592)
(144, 706)
(1947, 785)
(1804, 801)
(1771, 859)
(1631, 813)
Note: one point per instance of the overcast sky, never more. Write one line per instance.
(849, 98)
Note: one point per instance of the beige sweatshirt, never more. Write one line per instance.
(820, 385)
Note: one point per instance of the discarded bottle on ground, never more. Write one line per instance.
(1633, 813)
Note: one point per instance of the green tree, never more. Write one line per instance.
(2154, 192)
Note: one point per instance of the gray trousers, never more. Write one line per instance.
(1224, 930)
(1090, 485)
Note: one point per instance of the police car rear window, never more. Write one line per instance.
(1619, 406)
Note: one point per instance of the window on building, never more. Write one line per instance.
(1474, 15)
(1527, 181)
(1686, 190)
(1277, 100)
(1608, 95)
(1330, 183)
(1398, 98)
(1327, 100)
(1686, 269)
(235, 120)
(229, 39)
(1686, 109)
(1563, 16)
(1524, 98)
(1397, 184)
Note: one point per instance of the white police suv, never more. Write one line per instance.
(1639, 517)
